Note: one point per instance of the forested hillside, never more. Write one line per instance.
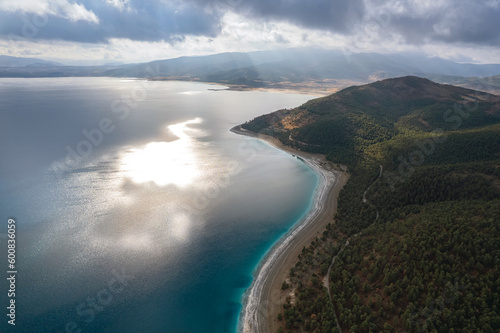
(416, 246)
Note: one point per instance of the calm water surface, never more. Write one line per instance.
(136, 209)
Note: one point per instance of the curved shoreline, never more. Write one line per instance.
(263, 300)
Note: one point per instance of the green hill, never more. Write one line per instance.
(345, 124)
(417, 245)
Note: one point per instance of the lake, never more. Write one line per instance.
(136, 209)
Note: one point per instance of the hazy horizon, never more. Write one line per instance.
(104, 62)
(132, 31)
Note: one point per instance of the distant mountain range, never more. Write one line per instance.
(7, 61)
(294, 68)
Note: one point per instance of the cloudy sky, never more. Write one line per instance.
(106, 31)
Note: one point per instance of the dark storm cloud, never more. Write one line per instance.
(454, 21)
(161, 20)
(451, 21)
(418, 22)
(333, 15)
(474, 23)
(140, 20)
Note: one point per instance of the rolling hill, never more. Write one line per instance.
(416, 238)
(345, 124)
(290, 68)
(7, 61)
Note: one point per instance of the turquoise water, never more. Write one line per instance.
(137, 209)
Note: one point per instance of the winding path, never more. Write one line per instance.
(326, 279)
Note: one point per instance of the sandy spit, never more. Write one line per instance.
(263, 300)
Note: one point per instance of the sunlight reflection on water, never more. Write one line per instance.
(165, 163)
(171, 197)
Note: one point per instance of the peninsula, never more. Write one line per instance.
(423, 160)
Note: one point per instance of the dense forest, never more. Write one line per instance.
(421, 253)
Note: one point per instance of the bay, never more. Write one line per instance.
(136, 209)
